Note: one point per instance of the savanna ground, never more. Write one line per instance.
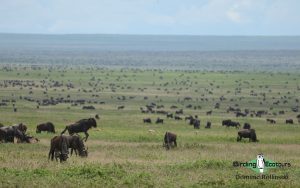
(122, 151)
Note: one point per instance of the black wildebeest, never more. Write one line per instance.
(82, 125)
(247, 133)
(247, 126)
(59, 147)
(208, 125)
(159, 120)
(170, 140)
(196, 124)
(289, 121)
(48, 126)
(147, 120)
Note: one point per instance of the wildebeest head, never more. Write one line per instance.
(22, 127)
(92, 122)
(83, 152)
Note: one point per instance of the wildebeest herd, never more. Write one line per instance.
(59, 145)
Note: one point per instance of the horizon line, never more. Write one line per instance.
(149, 34)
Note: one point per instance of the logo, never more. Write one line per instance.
(261, 164)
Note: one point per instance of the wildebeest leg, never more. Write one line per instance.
(51, 154)
(168, 141)
(238, 139)
(86, 136)
(64, 130)
(175, 143)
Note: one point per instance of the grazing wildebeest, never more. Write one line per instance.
(247, 126)
(209, 112)
(226, 122)
(177, 118)
(229, 123)
(82, 125)
(247, 133)
(188, 118)
(179, 111)
(240, 114)
(121, 107)
(169, 115)
(159, 120)
(7, 134)
(147, 120)
(97, 116)
(88, 108)
(289, 121)
(208, 125)
(272, 121)
(170, 140)
(196, 124)
(48, 126)
(59, 147)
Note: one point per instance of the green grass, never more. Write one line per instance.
(122, 151)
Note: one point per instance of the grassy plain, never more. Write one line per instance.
(122, 151)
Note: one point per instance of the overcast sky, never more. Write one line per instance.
(191, 17)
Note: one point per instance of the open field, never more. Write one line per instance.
(122, 151)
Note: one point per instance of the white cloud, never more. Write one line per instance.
(234, 16)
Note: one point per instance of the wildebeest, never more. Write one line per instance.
(48, 126)
(170, 140)
(240, 114)
(97, 116)
(179, 111)
(147, 120)
(272, 121)
(169, 115)
(289, 121)
(247, 126)
(177, 118)
(7, 134)
(59, 147)
(208, 125)
(226, 122)
(82, 125)
(229, 123)
(196, 124)
(247, 133)
(209, 112)
(88, 108)
(159, 120)
(121, 107)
